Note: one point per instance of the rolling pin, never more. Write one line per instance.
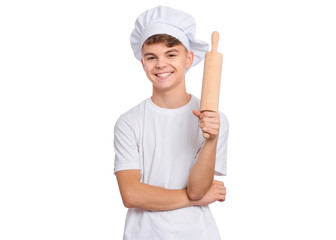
(211, 78)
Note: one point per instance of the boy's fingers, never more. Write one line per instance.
(197, 113)
(209, 125)
(211, 131)
(222, 199)
(210, 120)
(209, 114)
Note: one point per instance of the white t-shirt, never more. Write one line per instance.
(164, 144)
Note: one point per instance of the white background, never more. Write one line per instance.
(67, 72)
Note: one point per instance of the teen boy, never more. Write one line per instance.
(164, 167)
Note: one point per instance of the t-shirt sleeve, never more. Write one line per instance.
(221, 154)
(125, 146)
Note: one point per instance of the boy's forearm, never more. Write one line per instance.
(154, 198)
(202, 173)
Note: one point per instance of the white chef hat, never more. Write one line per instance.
(166, 20)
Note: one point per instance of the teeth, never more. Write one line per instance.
(163, 74)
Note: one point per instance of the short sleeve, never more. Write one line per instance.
(221, 154)
(125, 146)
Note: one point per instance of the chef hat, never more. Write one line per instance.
(166, 20)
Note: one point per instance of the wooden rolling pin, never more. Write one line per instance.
(211, 78)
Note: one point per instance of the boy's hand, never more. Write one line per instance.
(209, 122)
(217, 192)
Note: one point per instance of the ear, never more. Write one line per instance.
(190, 59)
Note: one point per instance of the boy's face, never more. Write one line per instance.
(165, 66)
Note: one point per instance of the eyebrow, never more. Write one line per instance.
(172, 50)
(169, 51)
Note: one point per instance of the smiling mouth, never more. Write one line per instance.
(163, 75)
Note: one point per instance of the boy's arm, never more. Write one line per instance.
(202, 174)
(139, 195)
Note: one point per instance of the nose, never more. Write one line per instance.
(161, 63)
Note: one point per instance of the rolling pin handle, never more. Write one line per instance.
(206, 135)
(214, 41)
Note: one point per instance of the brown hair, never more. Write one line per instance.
(170, 41)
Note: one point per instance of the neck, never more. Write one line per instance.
(171, 99)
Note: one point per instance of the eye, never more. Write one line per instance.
(150, 58)
(171, 55)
